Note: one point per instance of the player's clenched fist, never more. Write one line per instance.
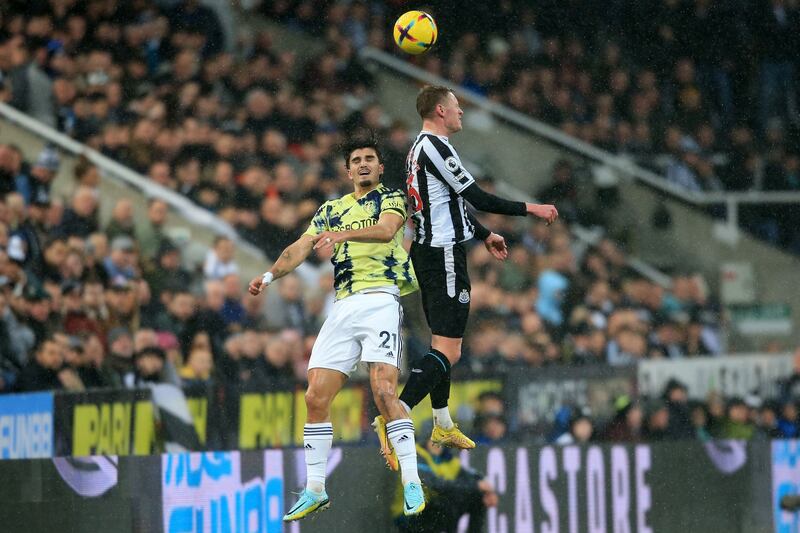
(544, 211)
(256, 285)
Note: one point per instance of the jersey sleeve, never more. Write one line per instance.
(448, 165)
(320, 221)
(394, 201)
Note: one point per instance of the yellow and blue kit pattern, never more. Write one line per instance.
(361, 265)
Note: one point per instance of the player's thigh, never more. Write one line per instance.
(379, 330)
(336, 347)
(444, 288)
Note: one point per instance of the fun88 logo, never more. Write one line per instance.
(26, 426)
(204, 493)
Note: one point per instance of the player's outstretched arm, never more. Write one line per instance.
(384, 230)
(547, 212)
(489, 203)
(290, 258)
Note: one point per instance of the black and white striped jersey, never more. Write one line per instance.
(436, 178)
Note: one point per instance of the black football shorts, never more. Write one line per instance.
(444, 287)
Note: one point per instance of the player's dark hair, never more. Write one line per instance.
(429, 97)
(351, 145)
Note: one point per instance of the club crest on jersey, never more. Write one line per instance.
(464, 296)
(370, 207)
(452, 165)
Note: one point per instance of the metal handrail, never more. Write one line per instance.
(185, 207)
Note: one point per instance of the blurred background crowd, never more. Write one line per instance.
(701, 91)
(250, 134)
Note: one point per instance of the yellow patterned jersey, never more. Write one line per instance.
(360, 265)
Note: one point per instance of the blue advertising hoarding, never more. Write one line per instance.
(26, 426)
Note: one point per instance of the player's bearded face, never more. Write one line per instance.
(365, 168)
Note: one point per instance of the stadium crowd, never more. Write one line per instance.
(251, 135)
(701, 91)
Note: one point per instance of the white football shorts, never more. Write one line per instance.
(362, 327)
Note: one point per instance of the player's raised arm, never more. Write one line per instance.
(290, 258)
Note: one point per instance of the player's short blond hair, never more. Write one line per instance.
(429, 97)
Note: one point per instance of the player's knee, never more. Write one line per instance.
(316, 402)
(453, 355)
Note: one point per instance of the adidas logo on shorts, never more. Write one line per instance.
(389, 354)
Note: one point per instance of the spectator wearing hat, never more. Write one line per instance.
(168, 271)
(35, 188)
(37, 312)
(120, 358)
(124, 310)
(121, 262)
(149, 366)
(677, 401)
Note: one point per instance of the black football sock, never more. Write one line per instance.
(441, 392)
(424, 377)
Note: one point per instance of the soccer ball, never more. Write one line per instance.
(415, 32)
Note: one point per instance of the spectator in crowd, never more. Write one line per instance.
(581, 430)
(120, 358)
(626, 426)
(148, 366)
(45, 370)
(151, 233)
(657, 422)
(198, 368)
(677, 401)
(737, 424)
(451, 491)
(35, 186)
(491, 429)
(788, 422)
(219, 260)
